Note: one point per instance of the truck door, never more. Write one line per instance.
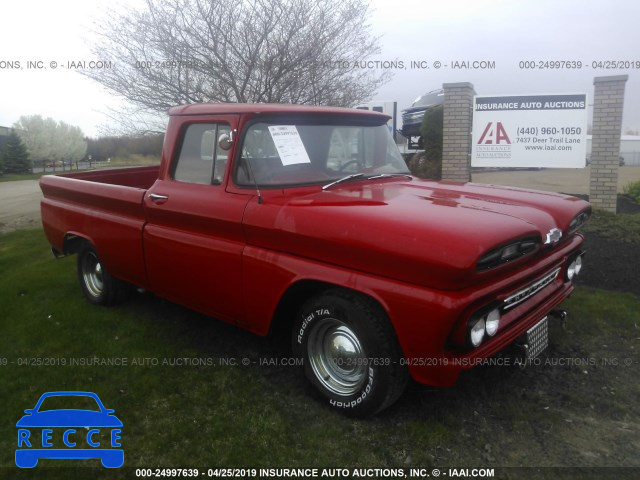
(193, 239)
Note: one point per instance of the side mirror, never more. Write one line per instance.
(225, 141)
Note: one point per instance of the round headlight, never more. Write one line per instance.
(477, 332)
(492, 322)
(571, 270)
(578, 265)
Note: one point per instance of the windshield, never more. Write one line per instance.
(298, 154)
(66, 402)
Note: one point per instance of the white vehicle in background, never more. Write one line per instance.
(388, 108)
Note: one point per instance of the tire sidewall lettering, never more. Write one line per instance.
(309, 319)
(357, 401)
(370, 326)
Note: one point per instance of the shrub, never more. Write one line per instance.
(431, 131)
(428, 164)
(422, 167)
(633, 190)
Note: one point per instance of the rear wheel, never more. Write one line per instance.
(98, 286)
(350, 352)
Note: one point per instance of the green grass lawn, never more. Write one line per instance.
(579, 407)
(14, 177)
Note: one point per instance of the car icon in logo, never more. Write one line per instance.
(69, 425)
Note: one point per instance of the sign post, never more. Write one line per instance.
(547, 131)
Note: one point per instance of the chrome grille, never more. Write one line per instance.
(530, 290)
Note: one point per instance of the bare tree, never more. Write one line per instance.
(283, 51)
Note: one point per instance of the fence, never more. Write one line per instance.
(631, 159)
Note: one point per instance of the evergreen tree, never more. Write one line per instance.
(15, 156)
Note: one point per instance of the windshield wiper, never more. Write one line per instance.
(343, 179)
(389, 175)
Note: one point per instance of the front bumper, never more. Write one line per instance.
(411, 129)
(514, 330)
(431, 335)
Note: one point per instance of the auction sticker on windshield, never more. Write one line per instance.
(289, 144)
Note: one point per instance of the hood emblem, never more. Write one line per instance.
(554, 235)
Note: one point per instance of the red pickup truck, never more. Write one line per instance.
(306, 219)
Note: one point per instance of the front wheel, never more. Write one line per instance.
(98, 286)
(350, 352)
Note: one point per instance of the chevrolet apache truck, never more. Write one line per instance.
(306, 220)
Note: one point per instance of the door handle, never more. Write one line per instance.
(155, 198)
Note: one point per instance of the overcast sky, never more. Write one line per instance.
(499, 31)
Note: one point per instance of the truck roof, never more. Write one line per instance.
(257, 108)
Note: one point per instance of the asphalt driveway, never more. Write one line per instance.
(19, 205)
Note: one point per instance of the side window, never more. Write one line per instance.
(201, 160)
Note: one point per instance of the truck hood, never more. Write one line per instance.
(422, 232)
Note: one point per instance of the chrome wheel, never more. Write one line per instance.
(92, 274)
(98, 286)
(336, 357)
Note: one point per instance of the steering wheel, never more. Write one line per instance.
(345, 165)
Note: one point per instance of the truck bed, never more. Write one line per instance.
(136, 177)
(106, 208)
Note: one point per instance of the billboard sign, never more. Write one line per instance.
(547, 131)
